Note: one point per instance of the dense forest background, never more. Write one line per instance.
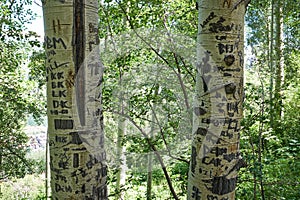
(148, 50)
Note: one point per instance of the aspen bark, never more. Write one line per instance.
(215, 158)
(121, 150)
(279, 64)
(122, 122)
(75, 122)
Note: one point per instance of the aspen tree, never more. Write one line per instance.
(75, 122)
(215, 158)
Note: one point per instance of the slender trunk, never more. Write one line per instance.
(121, 173)
(121, 165)
(157, 155)
(149, 177)
(260, 138)
(254, 185)
(150, 157)
(254, 173)
(278, 64)
(215, 158)
(271, 63)
(75, 122)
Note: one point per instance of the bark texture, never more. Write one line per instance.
(75, 122)
(215, 158)
(279, 64)
(121, 150)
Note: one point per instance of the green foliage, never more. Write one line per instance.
(131, 69)
(13, 20)
(279, 163)
(135, 187)
(272, 154)
(31, 187)
(18, 94)
(272, 157)
(38, 161)
(148, 50)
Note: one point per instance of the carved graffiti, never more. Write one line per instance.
(54, 43)
(223, 37)
(196, 193)
(193, 161)
(76, 168)
(217, 113)
(219, 27)
(225, 48)
(211, 161)
(62, 188)
(63, 124)
(227, 2)
(232, 108)
(56, 25)
(210, 17)
(229, 59)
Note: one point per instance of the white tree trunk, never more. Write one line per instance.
(279, 64)
(74, 76)
(121, 150)
(215, 158)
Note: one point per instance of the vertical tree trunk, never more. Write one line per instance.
(150, 156)
(271, 63)
(260, 144)
(149, 177)
(75, 122)
(121, 157)
(278, 63)
(122, 122)
(215, 158)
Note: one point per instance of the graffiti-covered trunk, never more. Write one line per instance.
(215, 158)
(75, 122)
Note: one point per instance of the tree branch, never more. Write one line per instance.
(158, 156)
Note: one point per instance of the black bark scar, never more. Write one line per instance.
(78, 52)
